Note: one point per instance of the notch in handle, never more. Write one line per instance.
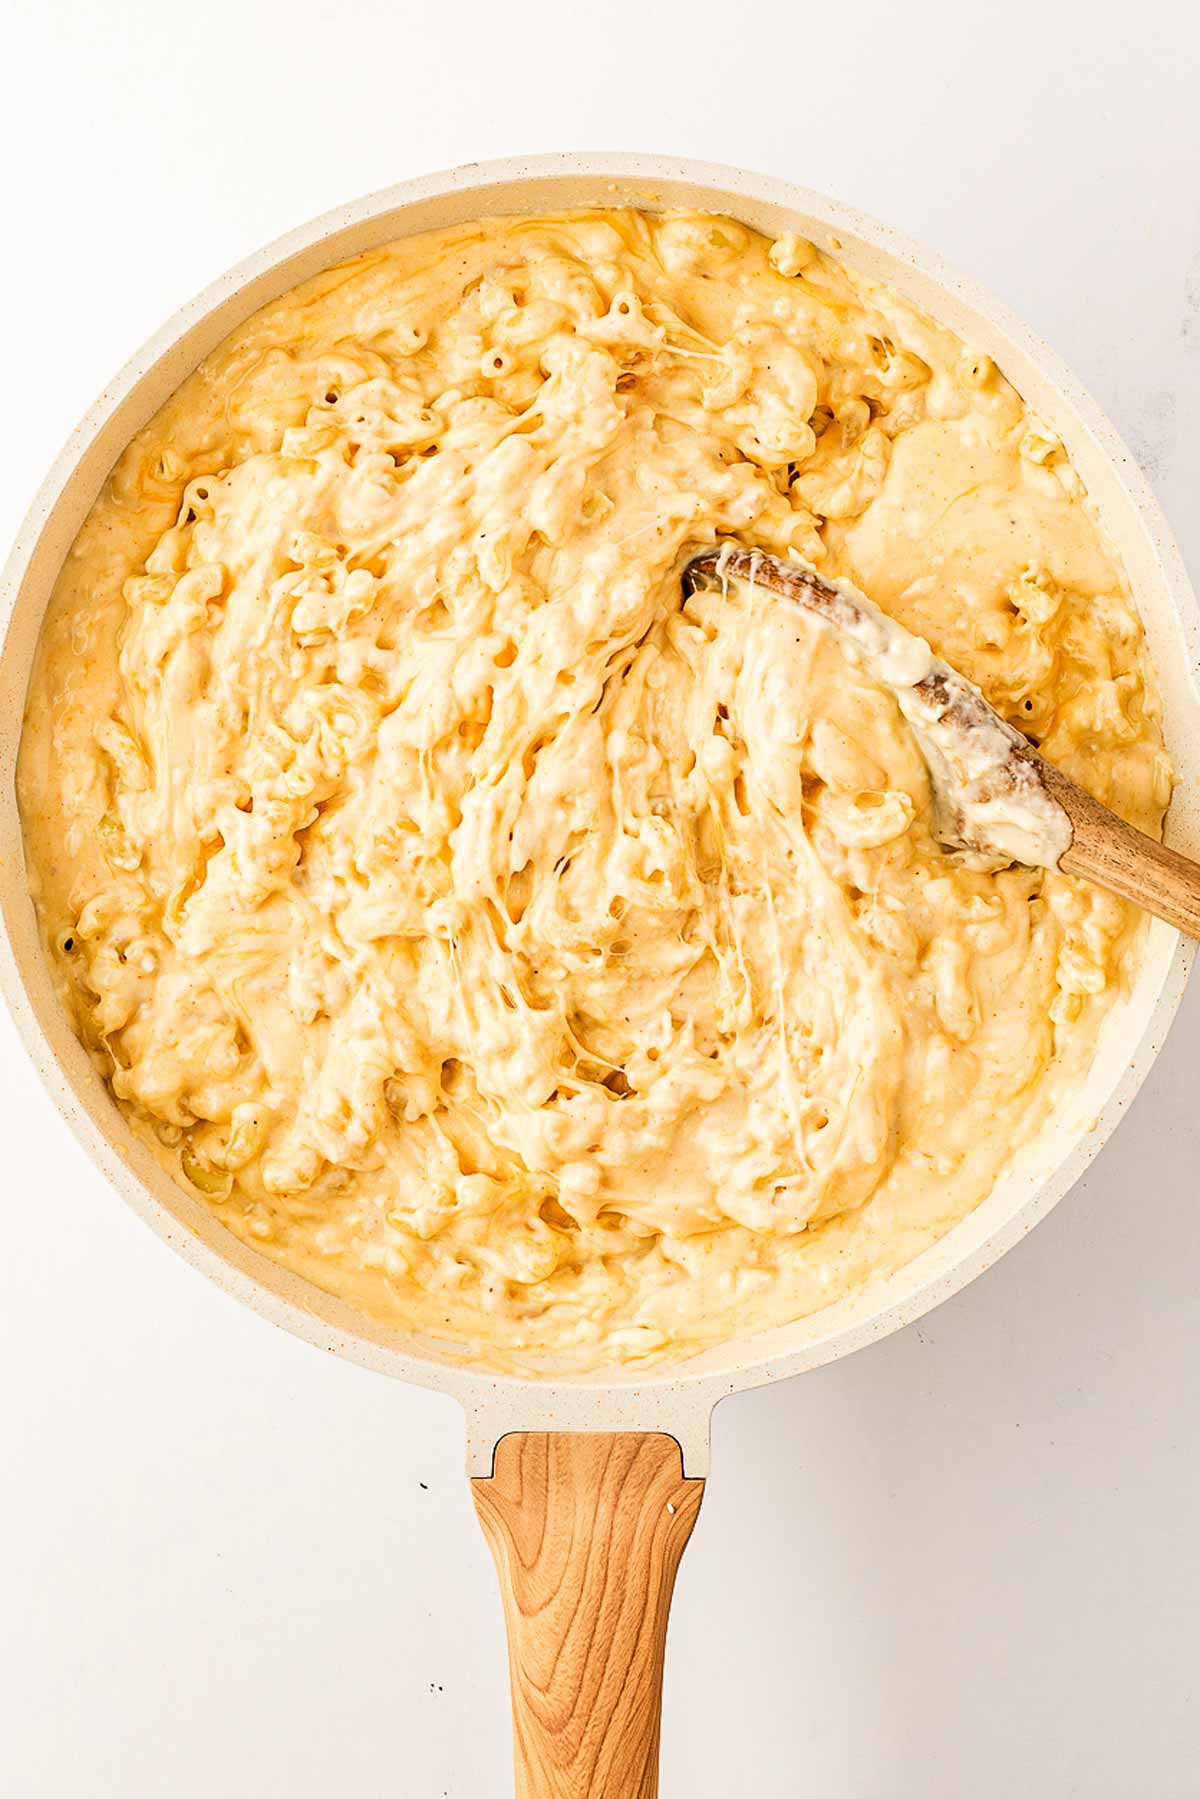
(586, 1531)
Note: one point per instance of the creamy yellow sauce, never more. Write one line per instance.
(514, 949)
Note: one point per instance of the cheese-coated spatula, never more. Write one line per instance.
(995, 796)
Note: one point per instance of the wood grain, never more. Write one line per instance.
(1115, 855)
(586, 1531)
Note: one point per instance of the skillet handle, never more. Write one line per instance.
(586, 1531)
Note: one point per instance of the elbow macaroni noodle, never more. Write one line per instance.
(522, 952)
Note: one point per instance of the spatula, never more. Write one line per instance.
(995, 797)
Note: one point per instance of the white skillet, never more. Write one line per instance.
(588, 1487)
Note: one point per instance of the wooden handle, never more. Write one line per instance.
(587, 1532)
(1112, 853)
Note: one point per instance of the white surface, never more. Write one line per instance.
(965, 1560)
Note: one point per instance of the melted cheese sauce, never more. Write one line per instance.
(512, 948)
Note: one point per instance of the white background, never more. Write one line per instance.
(962, 1562)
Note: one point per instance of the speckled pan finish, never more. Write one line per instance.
(678, 1401)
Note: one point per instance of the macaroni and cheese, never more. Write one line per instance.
(517, 948)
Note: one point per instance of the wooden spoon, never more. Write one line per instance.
(993, 789)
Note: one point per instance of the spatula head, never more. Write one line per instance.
(990, 799)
